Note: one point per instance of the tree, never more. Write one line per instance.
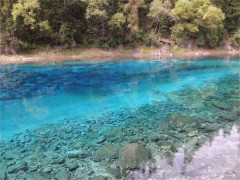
(9, 43)
(199, 20)
(159, 12)
(131, 9)
(28, 11)
(231, 9)
(117, 21)
(117, 29)
(30, 25)
(96, 15)
(236, 38)
(103, 23)
(6, 23)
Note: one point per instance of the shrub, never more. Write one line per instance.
(112, 42)
(18, 45)
(236, 38)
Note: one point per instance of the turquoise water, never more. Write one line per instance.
(74, 119)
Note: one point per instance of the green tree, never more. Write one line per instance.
(131, 9)
(103, 23)
(30, 24)
(117, 29)
(117, 21)
(6, 24)
(199, 20)
(96, 16)
(231, 9)
(236, 38)
(28, 11)
(159, 12)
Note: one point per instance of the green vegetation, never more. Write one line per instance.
(27, 24)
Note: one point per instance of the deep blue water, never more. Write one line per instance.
(40, 93)
(32, 95)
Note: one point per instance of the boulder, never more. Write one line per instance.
(132, 155)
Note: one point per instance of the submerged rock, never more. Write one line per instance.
(9, 155)
(211, 120)
(77, 144)
(108, 151)
(3, 175)
(22, 165)
(99, 177)
(221, 106)
(3, 170)
(115, 172)
(34, 176)
(228, 118)
(62, 175)
(58, 160)
(238, 113)
(132, 155)
(38, 153)
(211, 127)
(47, 170)
(114, 134)
(77, 154)
(101, 139)
(179, 121)
(72, 165)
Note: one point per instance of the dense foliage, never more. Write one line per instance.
(110, 23)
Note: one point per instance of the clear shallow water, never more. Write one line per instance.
(55, 109)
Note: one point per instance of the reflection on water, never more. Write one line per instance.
(121, 120)
(218, 158)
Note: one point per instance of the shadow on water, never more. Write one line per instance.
(189, 132)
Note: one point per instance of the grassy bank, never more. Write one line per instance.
(57, 54)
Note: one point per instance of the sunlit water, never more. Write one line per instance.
(178, 110)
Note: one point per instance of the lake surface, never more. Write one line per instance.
(132, 119)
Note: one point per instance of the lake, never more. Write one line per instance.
(121, 119)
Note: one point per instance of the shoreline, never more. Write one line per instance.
(81, 54)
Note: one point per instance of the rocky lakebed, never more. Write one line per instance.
(131, 143)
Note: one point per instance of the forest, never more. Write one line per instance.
(29, 24)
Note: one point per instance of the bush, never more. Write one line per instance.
(112, 42)
(18, 45)
(66, 36)
(151, 39)
(147, 39)
(236, 38)
(201, 41)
